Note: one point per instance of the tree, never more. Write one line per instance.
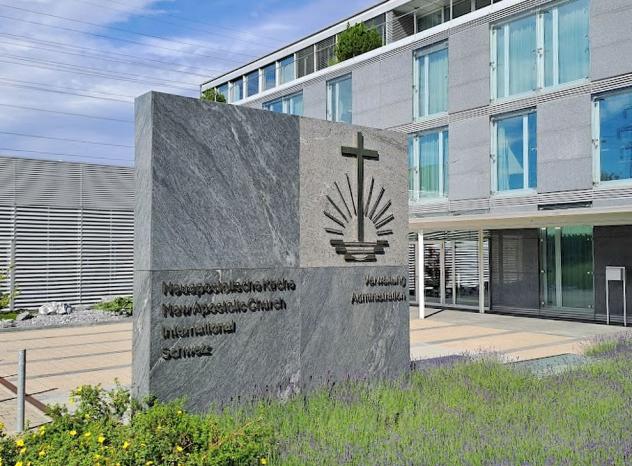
(213, 95)
(356, 40)
(5, 298)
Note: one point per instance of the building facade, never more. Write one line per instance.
(519, 115)
(66, 231)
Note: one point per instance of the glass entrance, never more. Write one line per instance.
(566, 258)
(451, 271)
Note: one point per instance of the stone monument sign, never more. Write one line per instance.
(270, 252)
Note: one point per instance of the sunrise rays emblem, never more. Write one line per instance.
(345, 210)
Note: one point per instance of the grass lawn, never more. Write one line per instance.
(8, 315)
(476, 412)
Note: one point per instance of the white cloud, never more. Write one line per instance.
(31, 53)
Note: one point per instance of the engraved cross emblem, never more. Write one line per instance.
(360, 153)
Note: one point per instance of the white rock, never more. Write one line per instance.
(55, 308)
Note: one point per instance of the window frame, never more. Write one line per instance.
(416, 195)
(285, 103)
(540, 56)
(596, 139)
(493, 155)
(425, 52)
(330, 95)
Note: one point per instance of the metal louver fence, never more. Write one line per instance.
(71, 228)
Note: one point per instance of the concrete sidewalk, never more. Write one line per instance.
(61, 359)
(520, 338)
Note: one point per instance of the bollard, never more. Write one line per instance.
(21, 389)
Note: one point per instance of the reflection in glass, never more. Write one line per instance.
(615, 136)
(339, 100)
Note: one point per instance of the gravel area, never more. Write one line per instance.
(77, 317)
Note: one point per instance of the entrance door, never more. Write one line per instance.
(566, 258)
(451, 274)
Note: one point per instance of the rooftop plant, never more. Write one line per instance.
(356, 40)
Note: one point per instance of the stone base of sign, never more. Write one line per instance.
(239, 292)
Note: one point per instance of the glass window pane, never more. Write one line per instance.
(274, 106)
(522, 57)
(574, 48)
(428, 21)
(286, 68)
(340, 100)
(500, 62)
(446, 158)
(295, 104)
(510, 156)
(431, 70)
(460, 8)
(438, 82)
(238, 91)
(253, 83)
(483, 3)
(223, 89)
(420, 85)
(615, 137)
(430, 162)
(577, 267)
(269, 77)
(305, 61)
(549, 79)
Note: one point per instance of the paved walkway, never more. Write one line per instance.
(61, 359)
(520, 338)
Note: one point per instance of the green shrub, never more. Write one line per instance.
(122, 305)
(356, 40)
(97, 433)
(213, 95)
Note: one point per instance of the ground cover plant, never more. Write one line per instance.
(477, 411)
(121, 305)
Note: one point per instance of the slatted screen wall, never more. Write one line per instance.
(73, 228)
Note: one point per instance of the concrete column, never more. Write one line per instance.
(421, 299)
(481, 272)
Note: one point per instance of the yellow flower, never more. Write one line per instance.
(1, 429)
(264, 461)
(97, 456)
(179, 448)
(42, 430)
(22, 451)
(87, 434)
(78, 391)
(19, 463)
(19, 442)
(149, 463)
(42, 453)
(72, 433)
(179, 411)
(101, 439)
(125, 445)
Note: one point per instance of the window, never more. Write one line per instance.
(514, 153)
(237, 90)
(305, 61)
(541, 50)
(286, 70)
(431, 81)
(430, 20)
(428, 165)
(566, 47)
(339, 99)
(566, 276)
(612, 137)
(223, 89)
(325, 52)
(460, 8)
(252, 83)
(292, 104)
(269, 77)
(379, 23)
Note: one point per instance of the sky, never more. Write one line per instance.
(70, 69)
